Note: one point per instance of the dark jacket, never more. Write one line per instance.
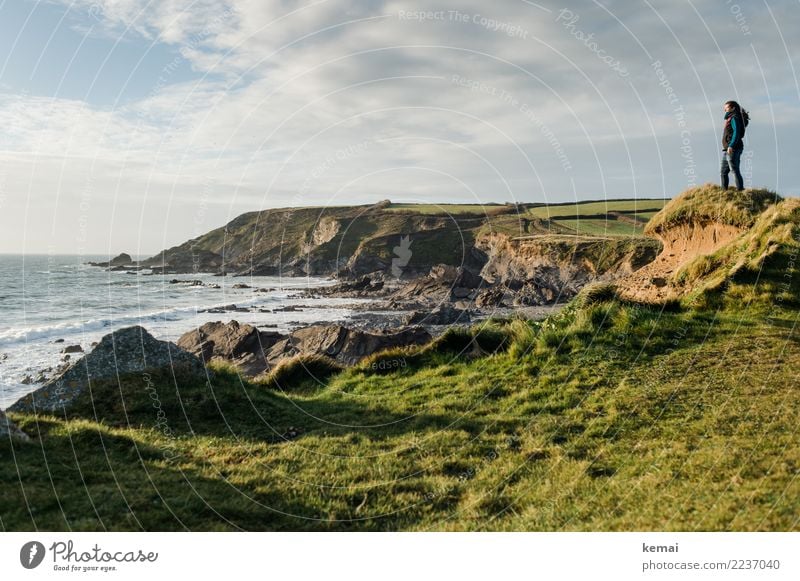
(733, 131)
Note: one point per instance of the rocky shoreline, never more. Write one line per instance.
(388, 313)
(522, 279)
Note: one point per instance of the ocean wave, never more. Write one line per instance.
(58, 330)
(16, 335)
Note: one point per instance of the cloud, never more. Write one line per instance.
(460, 101)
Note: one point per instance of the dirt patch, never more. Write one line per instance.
(654, 283)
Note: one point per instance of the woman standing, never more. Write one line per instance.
(736, 119)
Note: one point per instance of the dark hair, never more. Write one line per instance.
(738, 109)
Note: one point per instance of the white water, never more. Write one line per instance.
(45, 298)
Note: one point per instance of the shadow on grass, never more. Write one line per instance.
(227, 406)
(81, 476)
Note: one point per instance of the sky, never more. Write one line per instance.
(134, 125)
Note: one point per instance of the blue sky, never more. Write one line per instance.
(49, 49)
(133, 125)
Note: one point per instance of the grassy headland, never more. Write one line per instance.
(610, 415)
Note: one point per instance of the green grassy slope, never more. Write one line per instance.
(606, 416)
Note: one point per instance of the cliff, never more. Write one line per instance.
(406, 240)
(721, 245)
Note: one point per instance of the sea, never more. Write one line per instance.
(48, 302)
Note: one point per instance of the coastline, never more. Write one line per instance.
(34, 354)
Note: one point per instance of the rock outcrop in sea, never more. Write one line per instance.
(123, 259)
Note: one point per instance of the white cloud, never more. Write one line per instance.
(283, 86)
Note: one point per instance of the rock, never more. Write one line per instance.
(460, 292)
(184, 260)
(346, 346)
(496, 296)
(532, 294)
(131, 350)
(443, 272)
(58, 341)
(456, 276)
(224, 309)
(241, 285)
(9, 429)
(27, 380)
(363, 286)
(72, 349)
(122, 259)
(469, 279)
(291, 433)
(444, 282)
(441, 315)
(287, 309)
(239, 343)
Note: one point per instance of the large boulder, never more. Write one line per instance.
(131, 350)
(9, 429)
(346, 346)
(241, 344)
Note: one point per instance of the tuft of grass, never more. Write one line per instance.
(710, 203)
(301, 373)
(596, 292)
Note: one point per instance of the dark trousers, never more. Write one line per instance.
(730, 163)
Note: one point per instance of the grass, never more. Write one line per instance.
(608, 415)
(304, 372)
(641, 207)
(602, 227)
(710, 203)
(451, 209)
(588, 420)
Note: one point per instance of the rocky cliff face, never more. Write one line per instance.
(339, 241)
(553, 268)
(350, 242)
